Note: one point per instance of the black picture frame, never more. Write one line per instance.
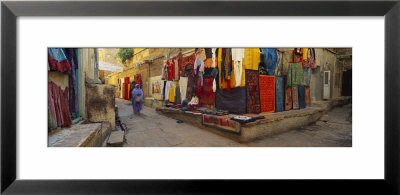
(10, 10)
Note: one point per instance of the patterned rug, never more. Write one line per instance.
(288, 98)
(253, 91)
(295, 97)
(267, 93)
(280, 94)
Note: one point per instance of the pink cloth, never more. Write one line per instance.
(198, 60)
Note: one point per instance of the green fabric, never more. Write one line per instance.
(295, 74)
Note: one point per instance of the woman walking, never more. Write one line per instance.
(137, 99)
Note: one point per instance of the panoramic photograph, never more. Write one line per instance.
(199, 97)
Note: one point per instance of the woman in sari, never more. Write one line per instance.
(137, 99)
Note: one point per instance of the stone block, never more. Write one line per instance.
(100, 102)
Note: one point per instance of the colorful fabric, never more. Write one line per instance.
(58, 105)
(237, 58)
(166, 87)
(295, 97)
(171, 71)
(137, 106)
(58, 60)
(178, 94)
(288, 98)
(207, 97)
(307, 96)
(279, 65)
(171, 93)
(208, 63)
(190, 87)
(222, 122)
(295, 74)
(198, 62)
(214, 57)
(267, 93)
(302, 99)
(176, 69)
(183, 83)
(208, 52)
(280, 94)
(72, 84)
(307, 76)
(222, 75)
(251, 58)
(270, 58)
(234, 102)
(253, 91)
(157, 89)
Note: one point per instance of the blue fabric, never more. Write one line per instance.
(302, 97)
(279, 94)
(230, 62)
(57, 54)
(234, 102)
(270, 58)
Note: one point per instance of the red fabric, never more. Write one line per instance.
(170, 70)
(228, 85)
(207, 95)
(267, 93)
(198, 88)
(126, 84)
(59, 66)
(59, 105)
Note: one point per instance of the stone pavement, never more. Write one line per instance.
(151, 129)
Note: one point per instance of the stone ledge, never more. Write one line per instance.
(80, 135)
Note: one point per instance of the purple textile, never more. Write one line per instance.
(73, 97)
(137, 106)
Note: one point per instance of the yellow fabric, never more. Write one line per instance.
(233, 79)
(305, 53)
(251, 58)
(171, 93)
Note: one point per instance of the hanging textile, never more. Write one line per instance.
(72, 84)
(59, 105)
(121, 94)
(307, 76)
(310, 61)
(279, 65)
(157, 89)
(183, 83)
(208, 52)
(304, 52)
(237, 58)
(198, 64)
(171, 93)
(138, 80)
(223, 67)
(176, 69)
(163, 90)
(234, 102)
(207, 97)
(171, 71)
(190, 87)
(214, 58)
(167, 87)
(58, 60)
(307, 96)
(280, 94)
(302, 99)
(270, 58)
(208, 63)
(253, 91)
(186, 62)
(267, 93)
(288, 98)
(251, 58)
(126, 92)
(295, 97)
(295, 74)
(177, 93)
(50, 121)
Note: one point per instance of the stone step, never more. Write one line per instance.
(116, 138)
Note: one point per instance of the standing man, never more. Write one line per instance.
(137, 99)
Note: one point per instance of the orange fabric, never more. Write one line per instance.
(267, 93)
(208, 63)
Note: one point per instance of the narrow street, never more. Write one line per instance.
(153, 130)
